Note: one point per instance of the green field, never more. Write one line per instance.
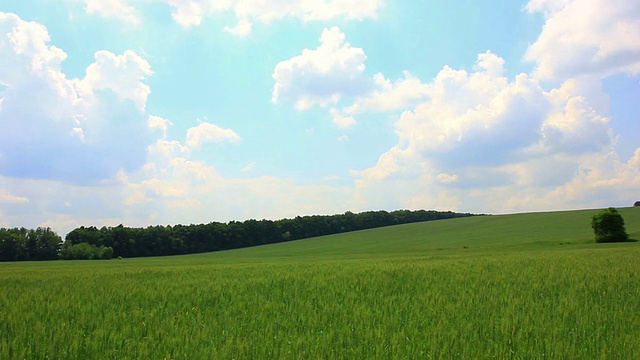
(529, 286)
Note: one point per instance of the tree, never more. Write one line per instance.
(23, 244)
(608, 226)
(85, 251)
(13, 247)
(44, 244)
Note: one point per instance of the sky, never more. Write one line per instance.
(145, 112)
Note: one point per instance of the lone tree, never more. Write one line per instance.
(608, 225)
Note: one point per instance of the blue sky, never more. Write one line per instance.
(148, 112)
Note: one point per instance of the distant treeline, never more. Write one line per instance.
(189, 239)
(28, 244)
(107, 242)
(20, 244)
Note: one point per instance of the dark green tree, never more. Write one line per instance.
(13, 246)
(608, 226)
(85, 251)
(43, 244)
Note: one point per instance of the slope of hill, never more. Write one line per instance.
(484, 234)
(525, 286)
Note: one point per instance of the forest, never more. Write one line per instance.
(121, 241)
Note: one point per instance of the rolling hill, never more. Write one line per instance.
(522, 286)
(482, 234)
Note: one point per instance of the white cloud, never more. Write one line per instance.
(546, 6)
(341, 121)
(166, 149)
(188, 12)
(447, 178)
(482, 142)
(322, 76)
(207, 132)
(156, 122)
(307, 10)
(191, 12)
(586, 37)
(335, 71)
(474, 117)
(122, 74)
(170, 188)
(242, 28)
(79, 130)
(403, 93)
(26, 51)
(117, 9)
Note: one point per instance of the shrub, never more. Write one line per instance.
(85, 251)
(608, 226)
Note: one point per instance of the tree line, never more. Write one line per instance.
(29, 244)
(121, 241)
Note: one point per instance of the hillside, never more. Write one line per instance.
(483, 234)
(525, 286)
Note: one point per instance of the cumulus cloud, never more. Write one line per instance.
(483, 142)
(26, 51)
(160, 124)
(208, 132)
(78, 130)
(322, 76)
(409, 91)
(586, 37)
(122, 74)
(476, 117)
(189, 12)
(386, 95)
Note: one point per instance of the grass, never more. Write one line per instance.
(529, 286)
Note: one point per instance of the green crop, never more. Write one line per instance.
(505, 297)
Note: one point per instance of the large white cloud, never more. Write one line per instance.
(322, 76)
(86, 152)
(476, 117)
(79, 130)
(334, 73)
(482, 142)
(586, 37)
